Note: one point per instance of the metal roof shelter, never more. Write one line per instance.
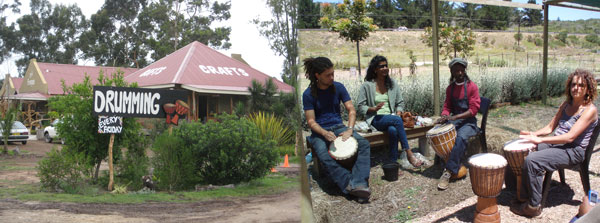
(593, 5)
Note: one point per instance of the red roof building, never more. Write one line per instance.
(215, 81)
(42, 80)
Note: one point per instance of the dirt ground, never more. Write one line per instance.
(246, 209)
(415, 197)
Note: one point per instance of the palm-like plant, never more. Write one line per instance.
(6, 122)
(271, 127)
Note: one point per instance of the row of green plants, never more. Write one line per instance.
(514, 85)
(238, 148)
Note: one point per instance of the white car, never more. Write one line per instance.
(401, 29)
(50, 132)
(18, 133)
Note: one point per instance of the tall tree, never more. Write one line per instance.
(534, 16)
(469, 14)
(281, 31)
(384, 14)
(417, 13)
(494, 17)
(351, 22)
(308, 14)
(126, 33)
(8, 38)
(453, 41)
(49, 34)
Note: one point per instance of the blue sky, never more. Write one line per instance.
(555, 11)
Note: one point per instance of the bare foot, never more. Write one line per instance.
(412, 159)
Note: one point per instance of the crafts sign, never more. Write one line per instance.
(110, 124)
(138, 102)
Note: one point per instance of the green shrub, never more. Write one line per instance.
(538, 42)
(230, 151)
(135, 164)
(592, 38)
(224, 152)
(63, 171)
(173, 163)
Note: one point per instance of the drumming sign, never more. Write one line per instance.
(110, 124)
(134, 102)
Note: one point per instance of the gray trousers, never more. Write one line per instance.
(549, 157)
(592, 216)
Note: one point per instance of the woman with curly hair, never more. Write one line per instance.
(572, 126)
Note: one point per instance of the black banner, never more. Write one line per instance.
(134, 102)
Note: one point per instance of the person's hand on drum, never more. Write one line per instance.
(346, 134)
(330, 136)
(531, 138)
(442, 119)
(524, 132)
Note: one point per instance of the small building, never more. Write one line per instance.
(43, 80)
(215, 82)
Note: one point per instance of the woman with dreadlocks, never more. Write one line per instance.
(321, 101)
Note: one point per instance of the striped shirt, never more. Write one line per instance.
(566, 122)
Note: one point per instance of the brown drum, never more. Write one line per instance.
(344, 152)
(515, 152)
(442, 138)
(487, 176)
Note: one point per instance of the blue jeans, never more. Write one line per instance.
(395, 128)
(359, 177)
(465, 128)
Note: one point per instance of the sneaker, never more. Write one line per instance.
(361, 192)
(444, 180)
(527, 210)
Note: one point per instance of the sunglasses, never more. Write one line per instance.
(382, 66)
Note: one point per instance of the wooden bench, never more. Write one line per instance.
(378, 138)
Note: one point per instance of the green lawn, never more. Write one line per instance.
(271, 184)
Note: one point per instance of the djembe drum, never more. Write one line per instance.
(487, 176)
(344, 152)
(515, 152)
(442, 138)
(170, 110)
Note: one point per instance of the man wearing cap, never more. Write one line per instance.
(460, 107)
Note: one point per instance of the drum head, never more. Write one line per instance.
(343, 149)
(440, 129)
(487, 160)
(519, 145)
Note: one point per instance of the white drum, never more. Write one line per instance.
(344, 152)
(515, 152)
(487, 177)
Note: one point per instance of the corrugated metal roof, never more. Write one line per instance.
(199, 65)
(17, 81)
(54, 73)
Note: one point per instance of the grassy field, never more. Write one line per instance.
(494, 47)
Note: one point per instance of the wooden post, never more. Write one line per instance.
(527, 59)
(110, 162)
(436, 55)
(545, 59)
